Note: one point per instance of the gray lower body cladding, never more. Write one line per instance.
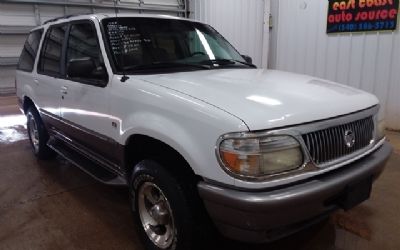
(253, 216)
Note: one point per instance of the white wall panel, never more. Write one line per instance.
(369, 61)
(242, 22)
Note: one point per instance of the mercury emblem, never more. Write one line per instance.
(349, 138)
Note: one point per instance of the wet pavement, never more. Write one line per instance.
(54, 205)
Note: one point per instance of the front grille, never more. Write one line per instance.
(329, 144)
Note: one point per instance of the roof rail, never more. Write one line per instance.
(63, 17)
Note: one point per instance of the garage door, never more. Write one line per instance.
(18, 17)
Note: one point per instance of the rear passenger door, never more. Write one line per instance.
(49, 72)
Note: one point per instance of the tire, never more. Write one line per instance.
(163, 207)
(38, 135)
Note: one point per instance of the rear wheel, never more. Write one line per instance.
(38, 135)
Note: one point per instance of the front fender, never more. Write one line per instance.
(197, 148)
(188, 125)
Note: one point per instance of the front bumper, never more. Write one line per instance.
(265, 216)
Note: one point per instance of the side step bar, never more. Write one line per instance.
(85, 164)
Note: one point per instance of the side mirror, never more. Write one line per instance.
(85, 69)
(248, 59)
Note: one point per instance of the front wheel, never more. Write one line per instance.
(162, 210)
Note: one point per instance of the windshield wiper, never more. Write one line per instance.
(246, 63)
(228, 62)
(157, 65)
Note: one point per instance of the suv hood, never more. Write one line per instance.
(266, 99)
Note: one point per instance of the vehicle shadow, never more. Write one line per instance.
(316, 237)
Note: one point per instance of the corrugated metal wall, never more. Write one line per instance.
(18, 17)
(244, 23)
(369, 61)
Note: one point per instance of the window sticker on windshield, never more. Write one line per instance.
(126, 36)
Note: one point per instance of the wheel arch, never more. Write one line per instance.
(26, 103)
(141, 147)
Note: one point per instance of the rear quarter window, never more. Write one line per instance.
(28, 55)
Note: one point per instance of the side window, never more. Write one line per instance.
(51, 53)
(28, 55)
(84, 59)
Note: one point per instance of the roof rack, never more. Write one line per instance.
(64, 17)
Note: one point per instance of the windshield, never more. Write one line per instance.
(138, 44)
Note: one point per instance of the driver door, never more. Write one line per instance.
(84, 100)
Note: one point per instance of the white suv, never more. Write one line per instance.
(169, 108)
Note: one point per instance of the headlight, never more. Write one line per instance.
(257, 157)
(380, 130)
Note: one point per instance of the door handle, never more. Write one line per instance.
(36, 81)
(64, 90)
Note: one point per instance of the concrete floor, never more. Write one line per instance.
(53, 205)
